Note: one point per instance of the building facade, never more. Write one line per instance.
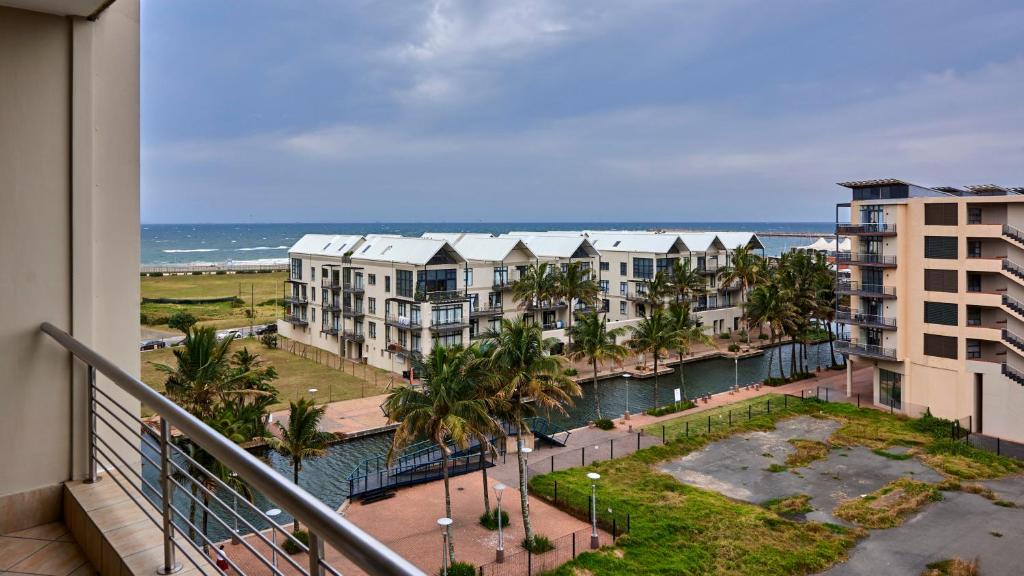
(934, 300)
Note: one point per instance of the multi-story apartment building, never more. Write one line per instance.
(935, 299)
(381, 298)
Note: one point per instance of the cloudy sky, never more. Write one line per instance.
(571, 110)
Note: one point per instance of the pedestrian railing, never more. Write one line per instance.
(189, 469)
(523, 562)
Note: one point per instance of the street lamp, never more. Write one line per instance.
(499, 555)
(234, 506)
(273, 513)
(445, 524)
(526, 464)
(626, 376)
(594, 477)
(313, 391)
(736, 372)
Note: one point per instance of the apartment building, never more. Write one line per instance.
(935, 299)
(382, 298)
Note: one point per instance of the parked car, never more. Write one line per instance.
(153, 345)
(232, 334)
(267, 329)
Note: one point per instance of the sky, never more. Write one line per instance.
(570, 110)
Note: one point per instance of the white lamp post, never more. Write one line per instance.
(594, 477)
(234, 506)
(273, 513)
(313, 391)
(444, 523)
(499, 555)
(626, 376)
(736, 371)
(526, 462)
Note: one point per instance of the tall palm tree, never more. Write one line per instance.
(657, 335)
(768, 305)
(747, 268)
(535, 285)
(655, 291)
(690, 332)
(576, 283)
(595, 342)
(523, 368)
(302, 437)
(202, 372)
(687, 281)
(447, 410)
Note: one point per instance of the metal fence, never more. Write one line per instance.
(997, 445)
(586, 455)
(222, 268)
(525, 562)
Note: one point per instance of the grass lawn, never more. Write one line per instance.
(262, 290)
(680, 529)
(296, 375)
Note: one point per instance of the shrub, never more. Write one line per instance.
(724, 335)
(291, 547)
(143, 318)
(540, 544)
(181, 321)
(489, 520)
(571, 372)
(762, 336)
(734, 348)
(461, 569)
(269, 340)
(604, 423)
(272, 302)
(671, 408)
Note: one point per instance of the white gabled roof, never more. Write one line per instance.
(637, 242)
(325, 244)
(551, 246)
(403, 249)
(453, 237)
(490, 249)
(734, 239)
(701, 241)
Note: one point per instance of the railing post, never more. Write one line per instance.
(686, 424)
(638, 439)
(583, 456)
(170, 566)
(574, 545)
(749, 411)
(91, 382)
(662, 433)
(556, 491)
(611, 449)
(316, 554)
(552, 463)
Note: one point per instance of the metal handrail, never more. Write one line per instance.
(866, 228)
(853, 286)
(364, 550)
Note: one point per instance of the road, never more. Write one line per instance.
(243, 332)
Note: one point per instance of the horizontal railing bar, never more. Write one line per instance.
(143, 509)
(195, 545)
(126, 440)
(351, 541)
(199, 502)
(127, 412)
(105, 443)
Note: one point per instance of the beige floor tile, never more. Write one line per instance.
(98, 495)
(51, 531)
(135, 537)
(14, 550)
(117, 515)
(84, 570)
(54, 559)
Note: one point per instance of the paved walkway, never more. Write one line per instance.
(352, 417)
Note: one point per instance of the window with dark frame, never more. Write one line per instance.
(940, 247)
(940, 346)
(940, 214)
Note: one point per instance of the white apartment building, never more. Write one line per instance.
(381, 298)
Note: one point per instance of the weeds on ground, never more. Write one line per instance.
(889, 505)
(807, 451)
(952, 567)
(790, 506)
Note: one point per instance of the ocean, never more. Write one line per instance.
(169, 244)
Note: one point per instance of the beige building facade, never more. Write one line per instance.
(935, 300)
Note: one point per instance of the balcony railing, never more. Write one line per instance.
(1013, 268)
(296, 300)
(353, 335)
(486, 311)
(330, 283)
(868, 290)
(180, 476)
(354, 287)
(500, 284)
(1013, 374)
(295, 320)
(1013, 233)
(331, 306)
(706, 307)
(858, 348)
(546, 305)
(867, 228)
(353, 311)
(865, 259)
(404, 322)
(449, 326)
(846, 316)
(330, 330)
(441, 296)
(1013, 304)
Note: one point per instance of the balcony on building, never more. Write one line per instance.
(353, 335)
(485, 310)
(331, 282)
(354, 287)
(449, 326)
(331, 305)
(866, 229)
(546, 305)
(296, 300)
(856, 347)
(295, 320)
(845, 315)
(353, 311)
(857, 288)
(864, 259)
(332, 330)
(403, 322)
(441, 296)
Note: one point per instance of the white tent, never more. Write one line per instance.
(822, 244)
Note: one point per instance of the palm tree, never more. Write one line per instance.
(768, 305)
(690, 332)
(447, 410)
(747, 268)
(302, 438)
(595, 342)
(535, 285)
(687, 281)
(655, 291)
(657, 335)
(202, 372)
(576, 283)
(522, 368)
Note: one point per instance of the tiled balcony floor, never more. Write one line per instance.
(47, 550)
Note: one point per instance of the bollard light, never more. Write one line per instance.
(594, 477)
(445, 524)
(499, 555)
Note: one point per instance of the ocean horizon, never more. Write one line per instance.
(268, 243)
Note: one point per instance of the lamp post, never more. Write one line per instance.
(444, 523)
(526, 463)
(594, 477)
(234, 507)
(499, 555)
(626, 377)
(313, 392)
(273, 513)
(736, 371)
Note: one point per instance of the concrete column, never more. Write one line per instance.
(849, 376)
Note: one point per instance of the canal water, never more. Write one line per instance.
(327, 477)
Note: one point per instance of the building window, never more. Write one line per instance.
(974, 282)
(974, 215)
(622, 308)
(940, 214)
(623, 288)
(437, 280)
(312, 273)
(372, 328)
(446, 315)
(605, 305)
(940, 313)
(387, 284)
(604, 286)
(494, 299)
(296, 269)
(500, 275)
(664, 265)
(943, 247)
(604, 266)
(941, 280)
(643, 268)
(890, 389)
(468, 277)
(371, 304)
(312, 315)
(448, 340)
(622, 269)
(973, 316)
(371, 279)
(403, 283)
(973, 349)
(940, 346)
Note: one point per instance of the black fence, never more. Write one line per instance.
(997, 445)
(520, 562)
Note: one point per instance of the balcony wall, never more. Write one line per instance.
(69, 169)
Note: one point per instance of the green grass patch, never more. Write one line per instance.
(892, 455)
(807, 451)
(262, 292)
(952, 567)
(790, 506)
(775, 468)
(889, 505)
